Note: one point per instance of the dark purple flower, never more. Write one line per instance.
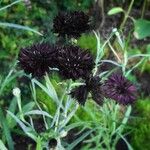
(74, 62)
(117, 87)
(72, 24)
(37, 59)
(93, 86)
(80, 94)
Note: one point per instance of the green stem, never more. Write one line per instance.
(36, 102)
(7, 6)
(126, 15)
(20, 108)
(143, 8)
(121, 128)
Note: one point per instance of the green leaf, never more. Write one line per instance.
(148, 49)
(141, 28)
(128, 144)
(75, 125)
(38, 112)
(28, 130)
(29, 106)
(7, 6)
(17, 26)
(2, 146)
(9, 78)
(81, 138)
(115, 10)
(39, 144)
(125, 120)
(6, 130)
(48, 89)
(12, 108)
(51, 89)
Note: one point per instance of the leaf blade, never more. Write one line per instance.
(115, 10)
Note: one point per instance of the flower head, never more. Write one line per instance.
(80, 94)
(72, 24)
(117, 87)
(37, 59)
(93, 86)
(74, 62)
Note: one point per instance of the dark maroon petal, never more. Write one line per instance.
(37, 59)
(80, 94)
(117, 87)
(92, 85)
(72, 64)
(72, 24)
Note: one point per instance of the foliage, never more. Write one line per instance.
(49, 99)
(141, 126)
(142, 28)
(88, 42)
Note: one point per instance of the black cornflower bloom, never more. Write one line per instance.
(37, 59)
(80, 93)
(74, 62)
(93, 86)
(72, 24)
(117, 87)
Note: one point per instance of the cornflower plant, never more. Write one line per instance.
(111, 91)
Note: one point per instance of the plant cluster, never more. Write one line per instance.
(79, 100)
(73, 64)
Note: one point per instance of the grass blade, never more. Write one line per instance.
(7, 6)
(21, 27)
(6, 130)
(27, 130)
(38, 112)
(2, 146)
(77, 141)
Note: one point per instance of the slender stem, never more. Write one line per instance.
(36, 102)
(20, 108)
(143, 8)
(115, 53)
(101, 4)
(5, 81)
(126, 15)
(68, 99)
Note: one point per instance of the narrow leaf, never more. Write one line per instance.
(6, 130)
(21, 27)
(26, 129)
(2, 146)
(115, 10)
(77, 141)
(7, 6)
(38, 112)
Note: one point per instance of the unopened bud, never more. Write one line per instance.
(63, 133)
(16, 92)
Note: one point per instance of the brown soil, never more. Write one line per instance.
(23, 143)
